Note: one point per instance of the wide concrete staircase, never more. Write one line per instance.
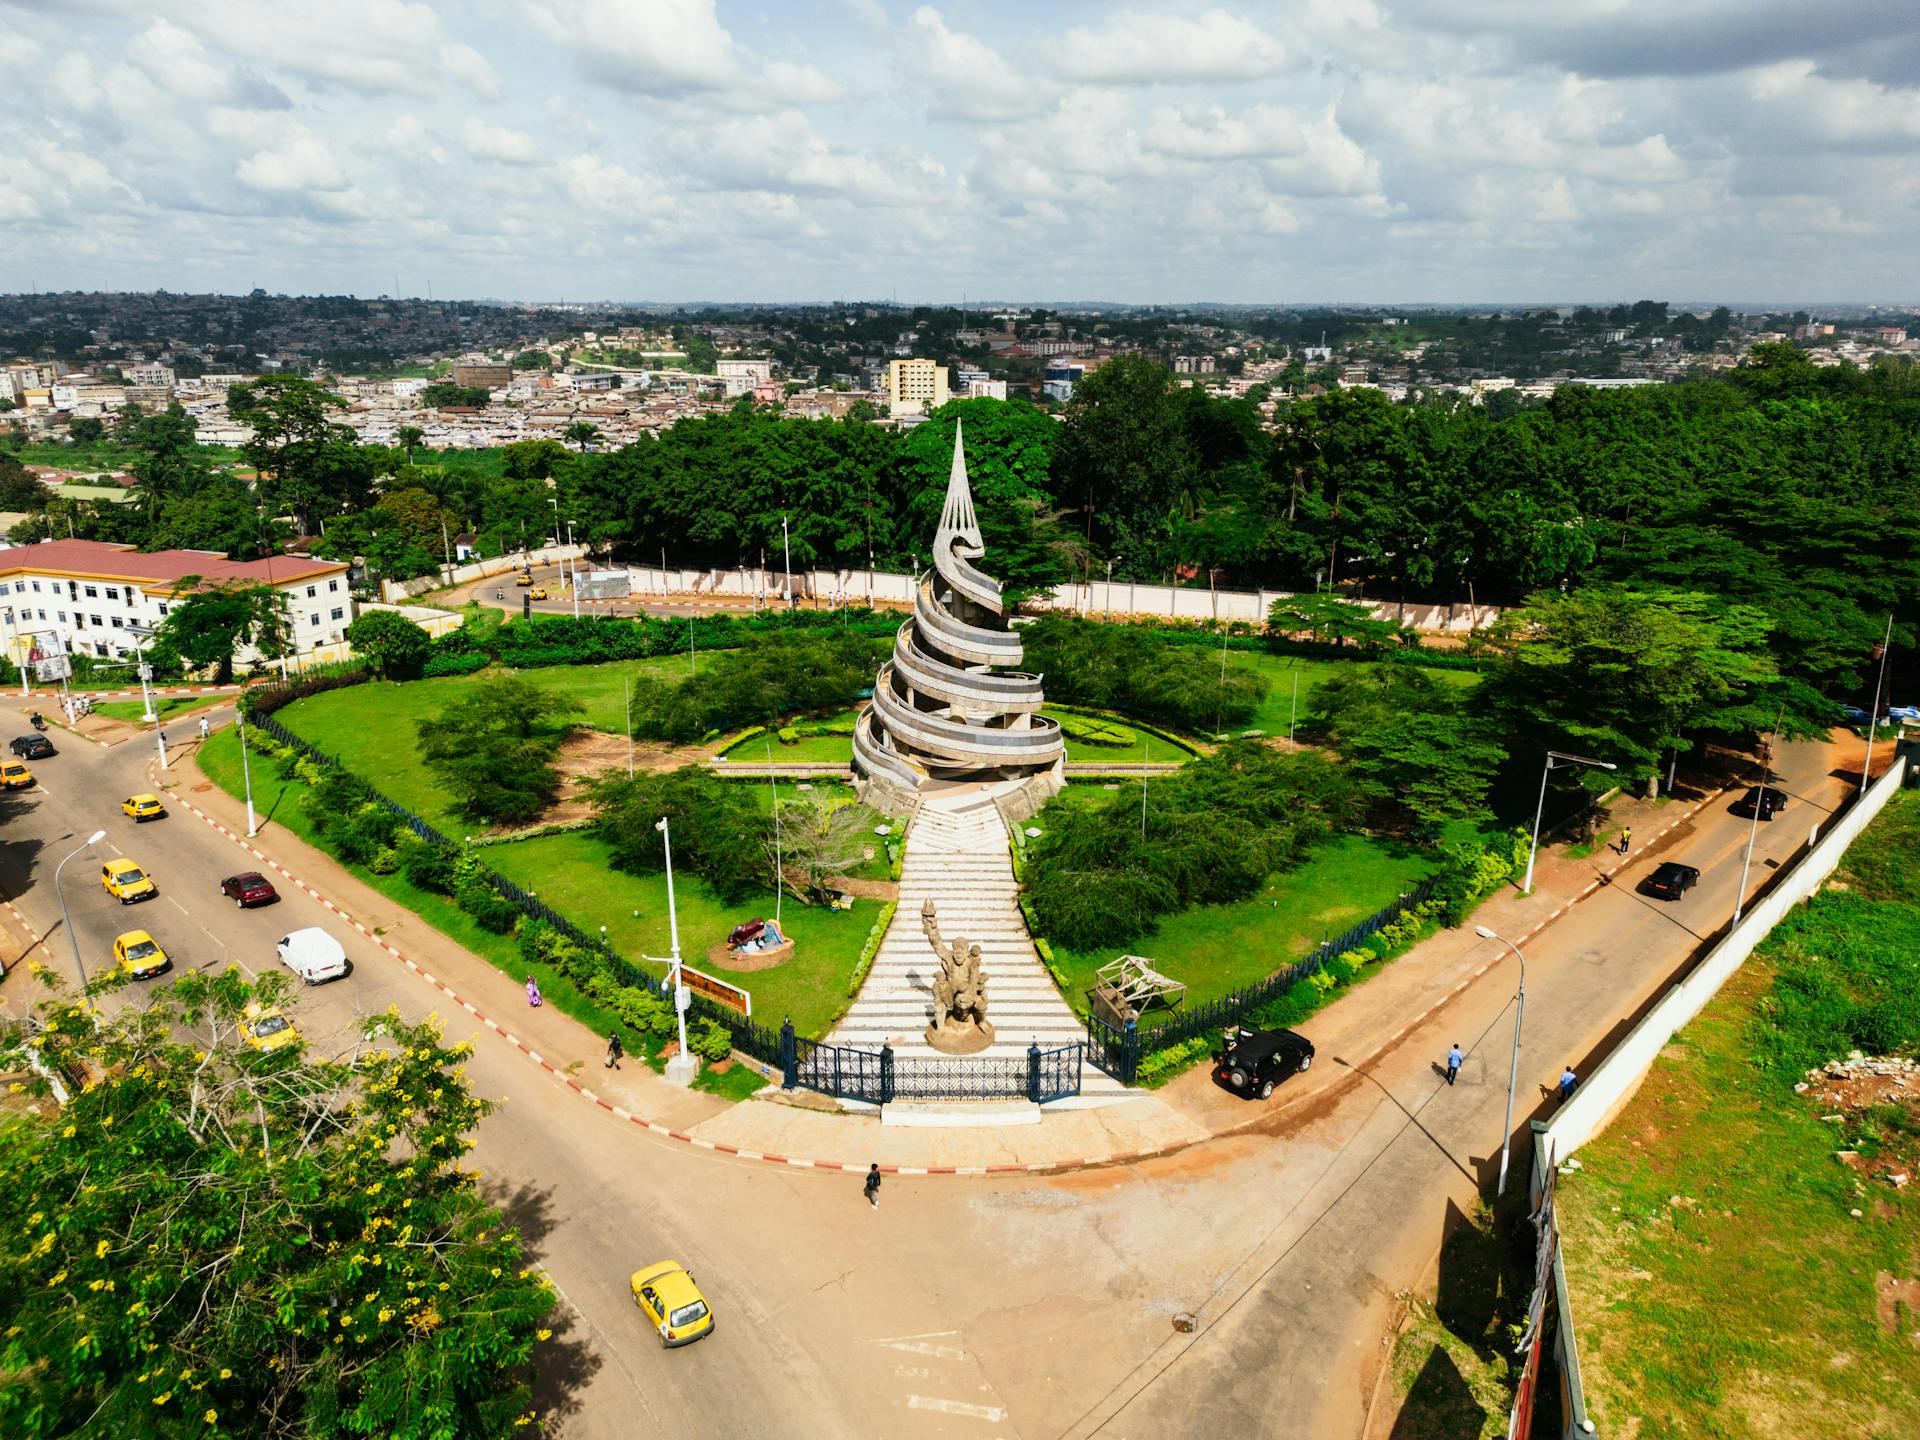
(957, 856)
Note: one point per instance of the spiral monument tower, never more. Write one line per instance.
(952, 702)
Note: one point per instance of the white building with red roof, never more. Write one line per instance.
(86, 597)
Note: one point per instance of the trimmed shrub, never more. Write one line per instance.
(710, 1040)
(428, 864)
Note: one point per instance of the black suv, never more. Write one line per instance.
(32, 747)
(1254, 1061)
(1764, 798)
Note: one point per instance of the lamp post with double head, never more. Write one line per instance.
(61, 895)
(1513, 1069)
(1533, 851)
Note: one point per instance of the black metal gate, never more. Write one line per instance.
(878, 1078)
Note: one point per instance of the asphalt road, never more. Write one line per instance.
(1031, 1307)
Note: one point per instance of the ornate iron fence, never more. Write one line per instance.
(1120, 1051)
(877, 1077)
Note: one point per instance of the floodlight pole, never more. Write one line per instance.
(681, 1068)
(246, 773)
(1873, 716)
(66, 919)
(1533, 850)
(1753, 829)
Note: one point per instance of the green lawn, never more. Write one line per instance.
(571, 873)
(373, 728)
(1283, 671)
(134, 712)
(1218, 948)
(838, 749)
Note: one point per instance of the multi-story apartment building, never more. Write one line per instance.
(915, 387)
(85, 597)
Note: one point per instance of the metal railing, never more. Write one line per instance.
(879, 1077)
(1120, 1051)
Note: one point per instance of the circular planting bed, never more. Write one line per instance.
(725, 957)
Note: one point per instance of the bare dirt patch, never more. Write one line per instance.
(1892, 1297)
(586, 755)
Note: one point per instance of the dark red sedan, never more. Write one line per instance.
(249, 889)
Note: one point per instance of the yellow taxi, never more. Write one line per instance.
(672, 1303)
(525, 577)
(14, 775)
(265, 1028)
(140, 955)
(143, 807)
(127, 882)
(538, 592)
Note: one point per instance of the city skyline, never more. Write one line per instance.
(678, 151)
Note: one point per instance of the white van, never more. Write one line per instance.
(313, 955)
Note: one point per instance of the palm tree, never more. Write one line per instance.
(583, 433)
(409, 437)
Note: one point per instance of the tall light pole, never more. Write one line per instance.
(153, 713)
(1534, 850)
(681, 1068)
(66, 919)
(574, 562)
(1759, 800)
(246, 771)
(1513, 1070)
(1110, 587)
(786, 563)
(1873, 717)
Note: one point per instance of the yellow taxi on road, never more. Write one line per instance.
(525, 577)
(14, 775)
(143, 807)
(140, 955)
(672, 1303)
(265, 1028)
(127, 882)
(538, 592)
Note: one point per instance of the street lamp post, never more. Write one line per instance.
(681, 1068)
(1873, 717)
(1533, 851)
(1110, 587)
(1753, 830)
(786, 563)
(1513, 1069)
(246, 771)
(145, 637)
(574, 566)
(66, 919)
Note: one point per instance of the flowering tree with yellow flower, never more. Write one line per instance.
(211, 1239)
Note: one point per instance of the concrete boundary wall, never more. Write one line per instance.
(401, 590)
(1120, 599)
(1602, 1094)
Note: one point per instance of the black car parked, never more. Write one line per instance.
(1669, 880)
(32, 747)
(1254, 1061)
(1764, 798)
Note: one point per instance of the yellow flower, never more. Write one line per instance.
(67, 1134)
(211, 1416)
(100, 1250)
(15, 1088)
(543, 1334)
(385, 1315)
(225, 1374)
(163, 1397)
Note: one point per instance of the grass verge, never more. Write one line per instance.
(133, 712)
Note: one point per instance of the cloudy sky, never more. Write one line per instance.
(1389, 150)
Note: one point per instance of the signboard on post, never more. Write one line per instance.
(53, 667)
(714, 988)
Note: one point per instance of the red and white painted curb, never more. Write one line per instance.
(667, 1132)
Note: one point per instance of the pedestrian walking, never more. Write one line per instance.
(614, 1050)
(533, 993)
(873, 1186)
(1568, 1082)
(1626, 838)
(1454, 1057)
(203, 727)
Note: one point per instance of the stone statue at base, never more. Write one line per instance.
(959, 993)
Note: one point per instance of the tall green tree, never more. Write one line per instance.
(310, 465)
(169, 465)
(493, 748)
(210, 1240)
(1124, 457)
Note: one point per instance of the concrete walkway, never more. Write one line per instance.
(957, 857)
